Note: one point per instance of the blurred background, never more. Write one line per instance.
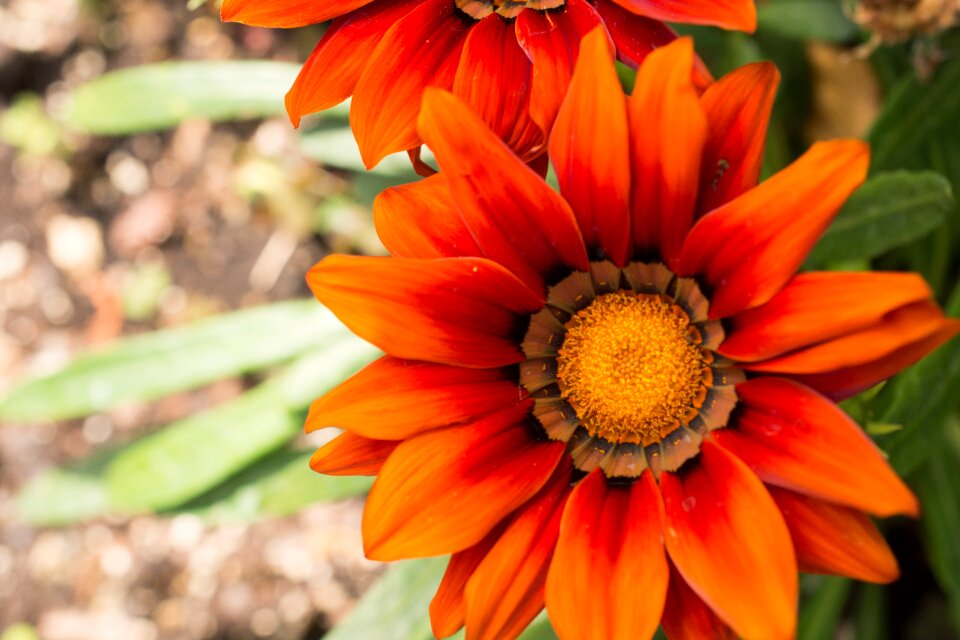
(158, 348)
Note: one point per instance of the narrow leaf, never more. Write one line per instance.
(160, 96)
(279, 485)
(939, 489)
(193, 455)
(149, 366)
(913, 112)
(820, 612)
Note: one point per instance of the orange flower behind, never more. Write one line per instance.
(510, 60)
(619, 401)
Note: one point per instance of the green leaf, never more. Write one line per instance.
(939, 490)
(160, 96)
(888, 211)
(150, 366)
(279, 485)
(820, 613)
(193, 455)
(397, 606)
(336, 147)
(872, 612)
(912, 114)
(62, 496)
(806, 20)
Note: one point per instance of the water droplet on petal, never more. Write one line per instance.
(688, 504)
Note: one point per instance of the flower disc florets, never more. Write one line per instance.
(621, 365)
(480, 9)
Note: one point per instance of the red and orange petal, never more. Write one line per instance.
(720, 504)
(787, 484)
(795, 438)
(494, 464)
(513, 73)
(608, 578)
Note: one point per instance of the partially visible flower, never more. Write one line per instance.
(510, 60)
(618, 400)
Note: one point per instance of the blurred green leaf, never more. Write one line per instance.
(872, 613)
(888, 211)
(336, 147)
(25, 125)
(189, 460)
(913, 113)
(190, 456)
(160, 96)
(297, 485)
(939, 489)
(279, 485)
(62, 496)
(806, 19)
(153, 365)
(397, 606)
(820, 612)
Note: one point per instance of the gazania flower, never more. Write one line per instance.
(510, 60)
(618, 400)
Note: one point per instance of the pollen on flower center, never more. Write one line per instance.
(629, 367)
(479, 9)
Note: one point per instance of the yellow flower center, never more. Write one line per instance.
(630, 367)
(480, 9)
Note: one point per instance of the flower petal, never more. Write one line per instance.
(896, 329)
(420, 50)
(844, 383)
(460, 311)
(515, 217)
(668, 130)
(393, 399)
(687, 617)
(795, 438)
(495, 79)
(506, 591)
(285, 13)
(444, 490)
(552, 41)
(330, 74)
(738, 111)
(814, 307)
(835, 540)
(590, 151)
(420, 220)
(729, 14)
(448, 609)
(351, 455)
(748, 248)
(609, 575)
(635, 37)
(722, 525)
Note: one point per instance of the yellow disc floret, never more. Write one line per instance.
(629, 367)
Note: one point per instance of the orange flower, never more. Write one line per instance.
(510, 60)
(619, 400)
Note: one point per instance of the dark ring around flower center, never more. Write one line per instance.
(479, 9)
(621, 365)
